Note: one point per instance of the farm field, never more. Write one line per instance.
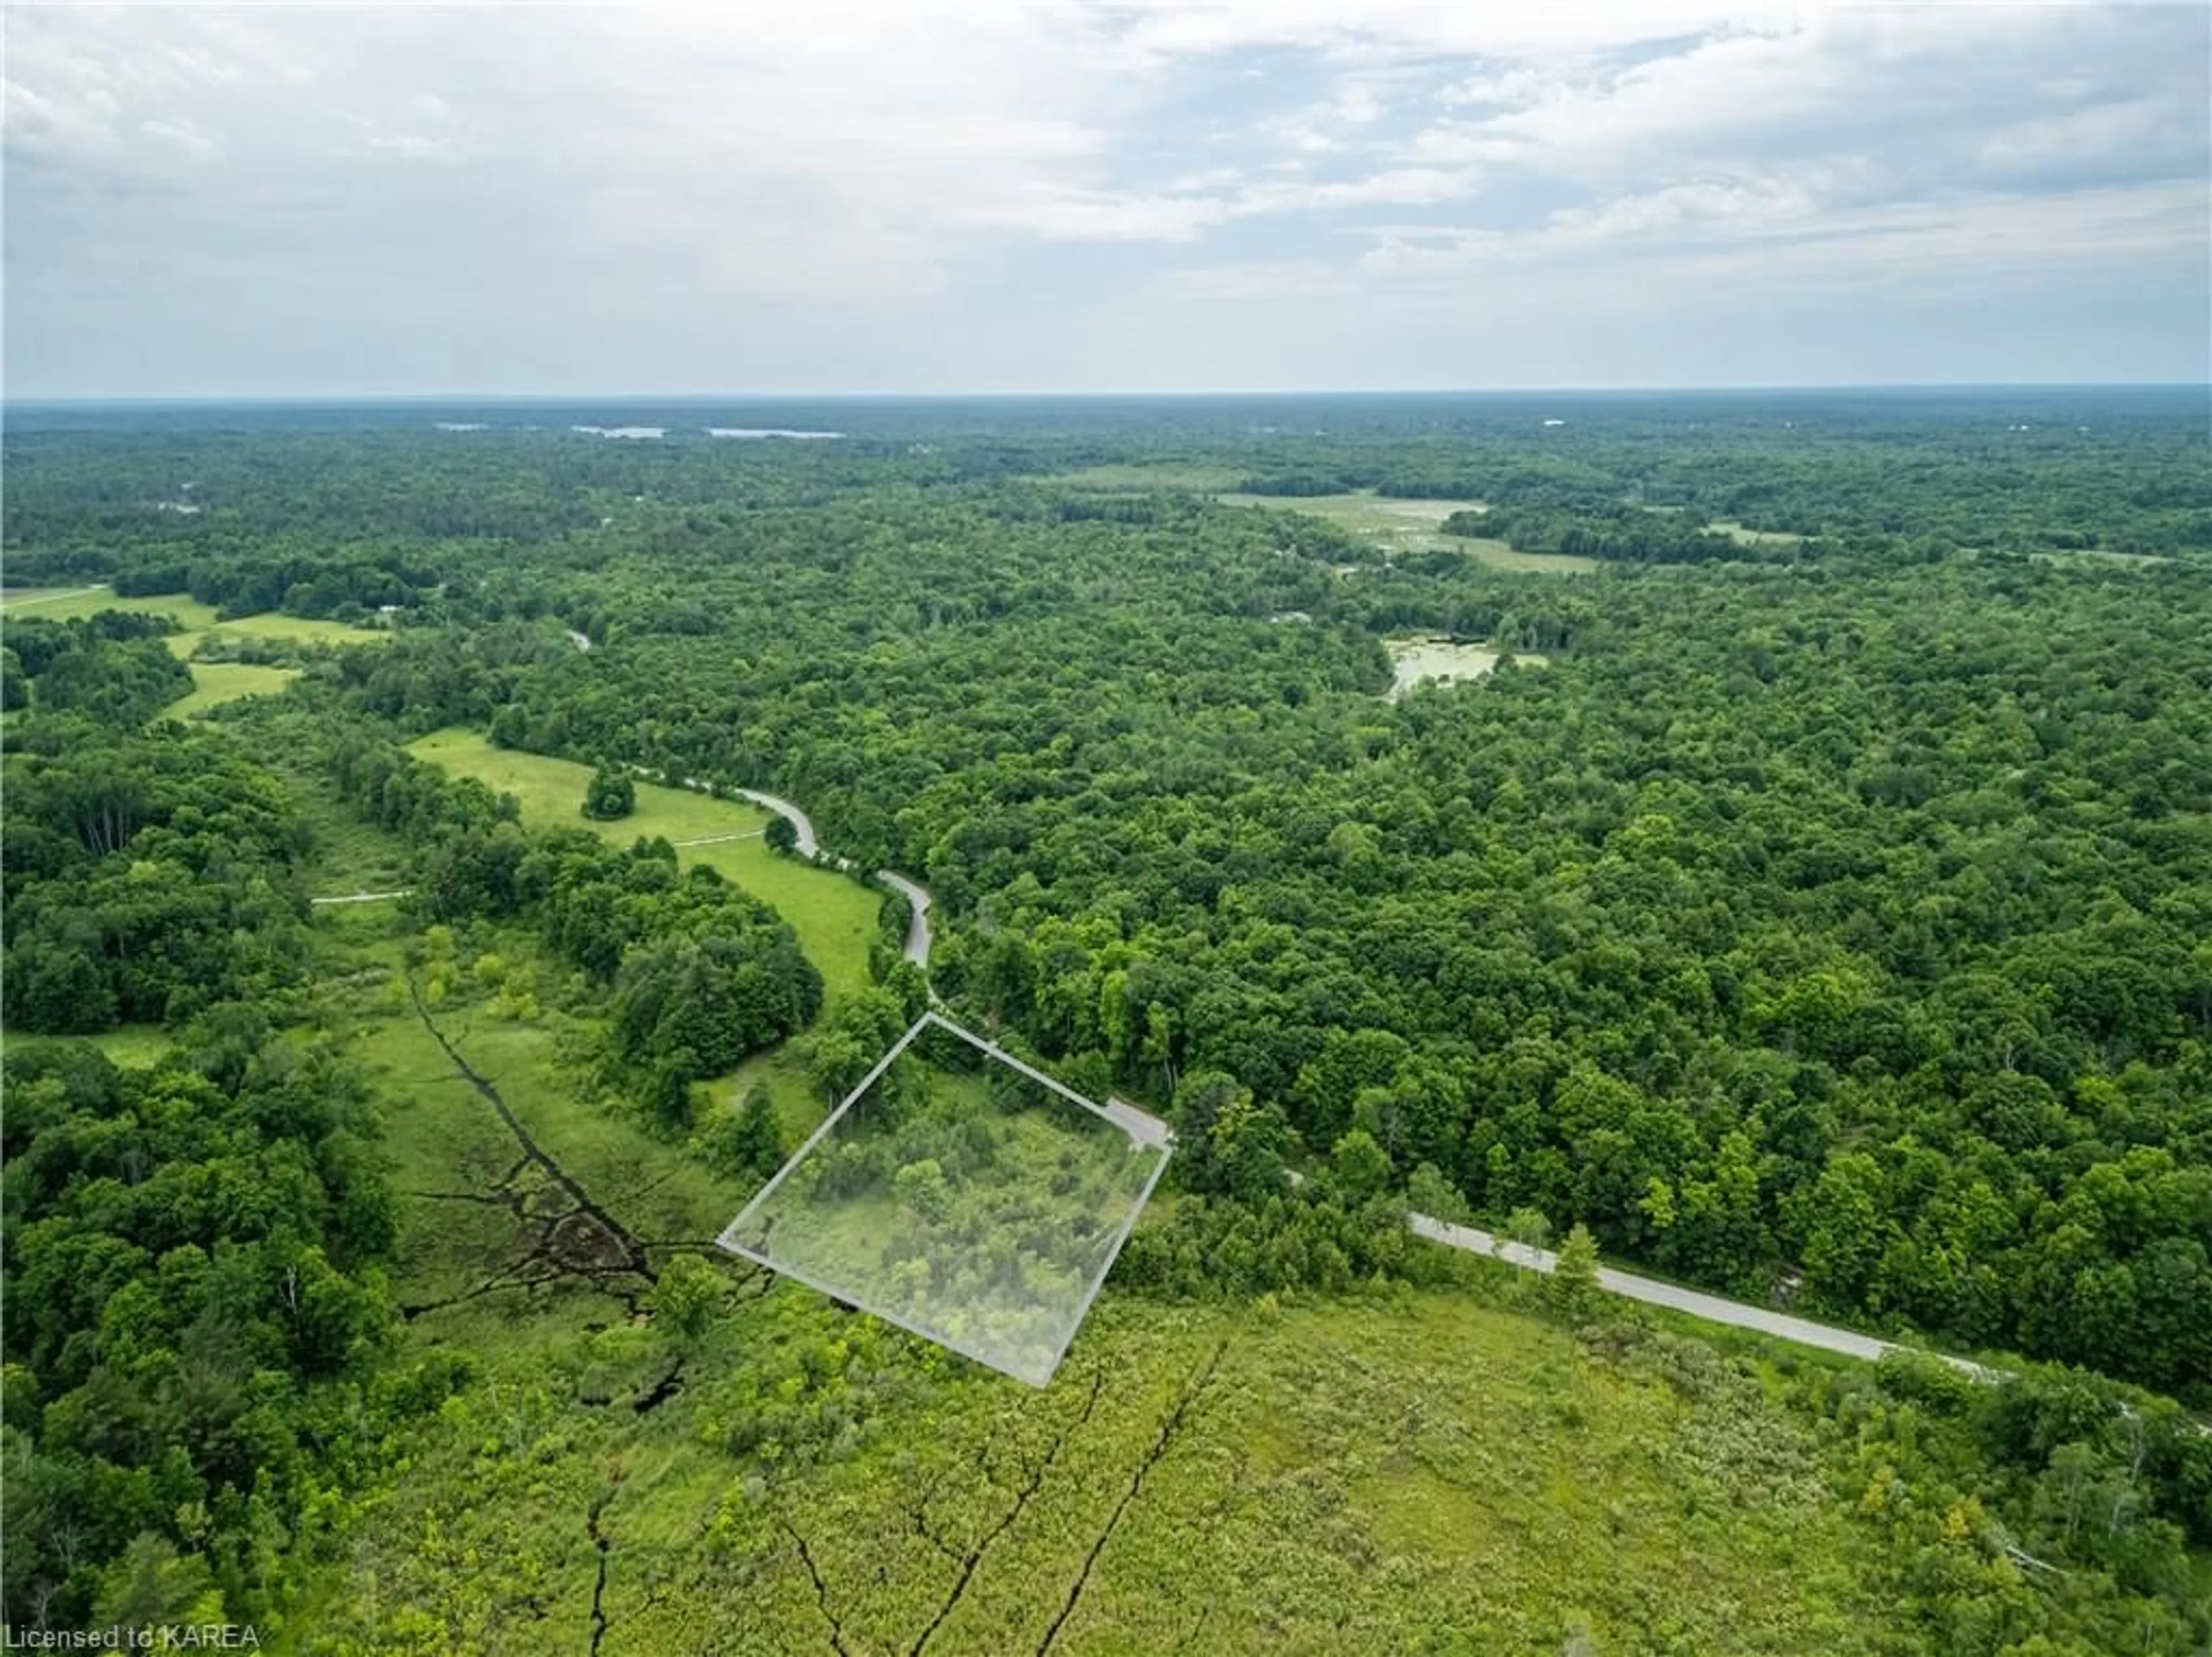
(835, 916)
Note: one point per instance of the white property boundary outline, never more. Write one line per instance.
(1142, 1130)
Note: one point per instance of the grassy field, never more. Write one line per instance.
(25, 599)
(1380, 1475)
(65, 603)
(217, 682)
(214, 682)
(835, 917)
(1133, 479)
(445, 1143)
(133, 1045)
(1397, 526)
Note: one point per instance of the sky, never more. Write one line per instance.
(818, 197)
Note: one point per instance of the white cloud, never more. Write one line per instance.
(845, 158)
(1387, 29)
(189, 138)
(1064, 215)
(1248, 284)
(1779, 235)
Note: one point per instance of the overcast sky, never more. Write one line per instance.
(822, 196)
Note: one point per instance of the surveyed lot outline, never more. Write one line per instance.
(1144, 1133)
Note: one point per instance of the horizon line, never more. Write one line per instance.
(344, 399)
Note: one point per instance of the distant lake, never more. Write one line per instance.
(767, 432)
(623, 431)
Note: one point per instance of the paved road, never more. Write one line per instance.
(1711, 1307)
(919, 934)
(1652, 1292)
(801, 823)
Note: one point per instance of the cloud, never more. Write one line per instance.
(1391, 30)
(1781, 232)
(188, 137)
(1068, 214)
(811, 173)
(1244, 283)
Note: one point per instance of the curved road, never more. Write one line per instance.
(919, 937)
(1629, 1285)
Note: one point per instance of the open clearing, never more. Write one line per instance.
(835, 917)
(1736, 532)
(2097, 554)
(132, 1044)
(214, 682)
(217, 682)
(13, 598)
(1418, 1473)
(197, 620)
(1397, 525)
(1362, 512)
(1136, 480)
(1417, 661)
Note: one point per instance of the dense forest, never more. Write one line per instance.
(1814, 904)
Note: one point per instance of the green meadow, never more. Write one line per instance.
(1398, 526)
(214, 682)
(835, 916)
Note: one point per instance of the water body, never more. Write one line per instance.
(622, 431)
(770, 431)
(1414, 660)
(459, 425)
